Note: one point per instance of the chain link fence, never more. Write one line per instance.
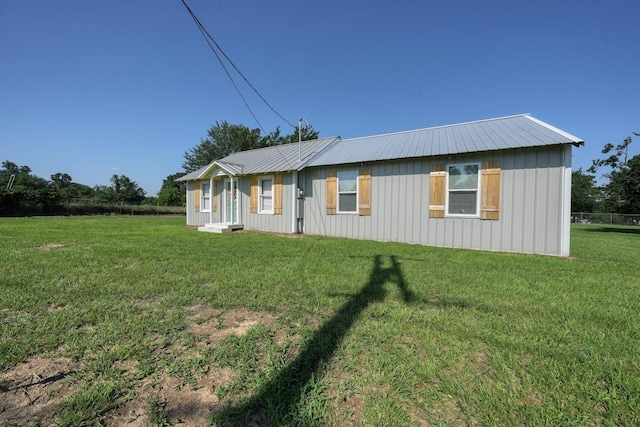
(605, 218)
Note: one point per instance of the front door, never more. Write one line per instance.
(231, 201)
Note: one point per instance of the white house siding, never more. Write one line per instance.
(533, 213)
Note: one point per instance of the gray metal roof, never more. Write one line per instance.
(485, 135)
(193, 175)
(277, 158)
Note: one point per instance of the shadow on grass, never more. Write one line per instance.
(276, 403)
(614, 229)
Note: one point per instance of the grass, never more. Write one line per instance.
(337, 332)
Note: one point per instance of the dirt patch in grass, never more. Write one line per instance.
(217, 324)
(30, 391)
(167, 399)
(50, 246)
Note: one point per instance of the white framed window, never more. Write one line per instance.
(265, 195)
(205, 196)
(348, 191)
(463, 190)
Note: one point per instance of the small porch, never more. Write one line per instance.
(225, 201)
(221, 227)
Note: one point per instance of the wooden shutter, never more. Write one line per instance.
(332, 181)
(214, 197)
(277, 194)
(490, 206)
(253, 199)
(364, 192)
(196, 195)
(437, 190)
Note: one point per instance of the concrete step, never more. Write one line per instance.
(220, 228)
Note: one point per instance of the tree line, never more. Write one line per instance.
(620, 191)
(22, 192)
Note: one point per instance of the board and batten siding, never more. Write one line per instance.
(533, 215)
(195, 216)
(275, 223)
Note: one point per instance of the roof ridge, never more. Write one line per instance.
(280, 145)
(439, 127)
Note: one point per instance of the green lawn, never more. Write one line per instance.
(116, 319)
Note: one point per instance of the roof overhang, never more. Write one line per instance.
(227, 168)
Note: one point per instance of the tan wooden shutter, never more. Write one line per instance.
(196, 195)
(437, 190)
(490, 206)
(364, 192)
(253, 199)
(214, 197)
(277, 194)
(332, 182)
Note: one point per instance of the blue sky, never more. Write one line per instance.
(94, 88)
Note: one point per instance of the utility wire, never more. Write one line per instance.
(208, 37)
(204, 34)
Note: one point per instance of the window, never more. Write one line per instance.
(265, 192)
(206, 196)
(463, 184)
(348, 191)
(467, 190)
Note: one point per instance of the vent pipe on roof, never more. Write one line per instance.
(300, 136)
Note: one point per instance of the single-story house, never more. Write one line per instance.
(501, 184)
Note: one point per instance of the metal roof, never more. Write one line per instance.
(485, 135)
(277, 158)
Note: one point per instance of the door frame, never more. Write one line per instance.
(231, 184)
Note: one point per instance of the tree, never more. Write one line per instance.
(61, 180)
(172, 193)
(123, 190)
(61, 185)
(585, 194)
(622, 192)
(80, 191)
(10, 167)
(628, 181)
(224, 138)
(275, 138)
(28, 193)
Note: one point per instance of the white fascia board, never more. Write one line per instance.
(567, 135)
(213, 167)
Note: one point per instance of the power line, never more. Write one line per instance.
(204, 32)
(209, 39)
